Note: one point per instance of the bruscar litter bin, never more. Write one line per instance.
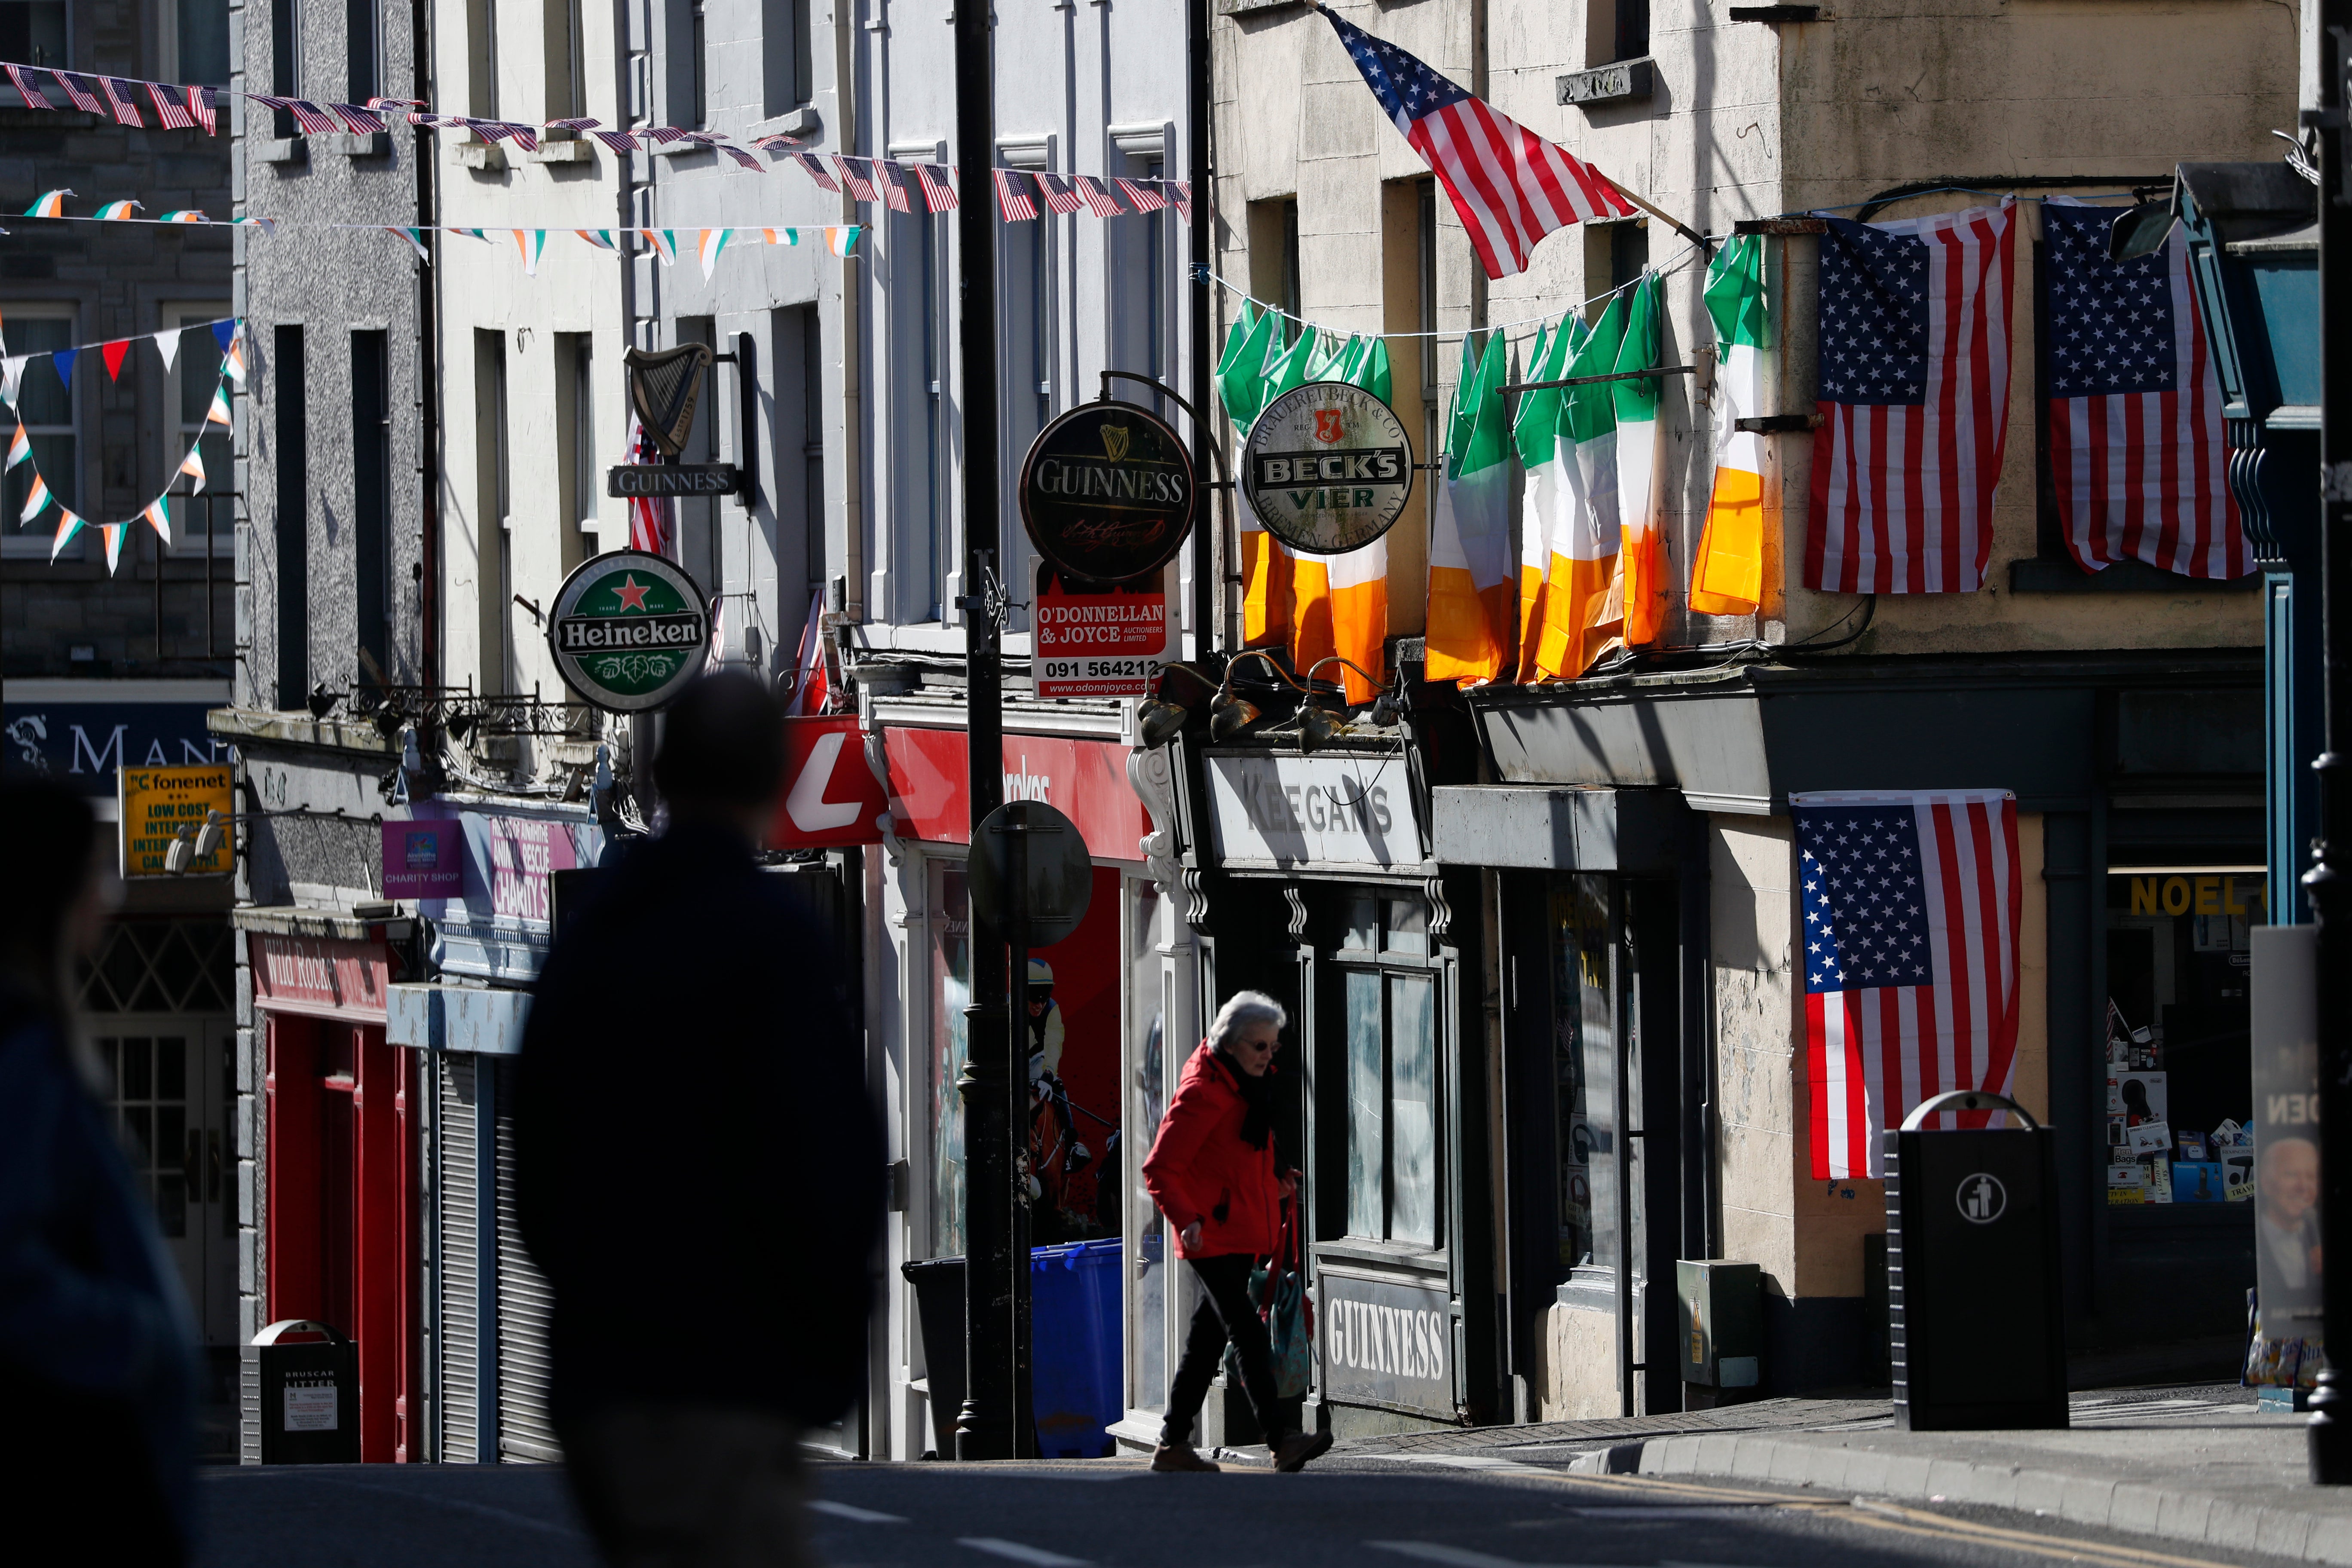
(1075, 1390)
(939, 1307)
(1976, 1323)
(309, 1378)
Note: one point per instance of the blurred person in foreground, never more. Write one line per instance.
(96, 1357)
(699, 1170)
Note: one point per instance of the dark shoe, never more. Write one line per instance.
(1293, 1452)
(1179, 1456)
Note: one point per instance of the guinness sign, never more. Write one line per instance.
(1107, 493)
(1327, 468)
(628, 631)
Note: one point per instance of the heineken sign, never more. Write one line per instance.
(1106, 493)
(1327, 468)
(629, 631)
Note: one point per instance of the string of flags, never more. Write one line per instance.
(181, 107)
(157, 514)
(114, 350)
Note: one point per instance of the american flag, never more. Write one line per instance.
(118, 94)
(358, 119)
(1182, 190)
(83, 98)
(1910, 952)
(855, 174)
(1142, 196)
(892, 179)
(32, 95)
(2136, 444)
(743, 156)
(1511, 187)
(1914, 325)
(648, 515)
(200, 104)
(1057, 193)
(1013, 201)
(817, 171)
(622, 141)
(938, 181)
(169, 113)
(1098, 199)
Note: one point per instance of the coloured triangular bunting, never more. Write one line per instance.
(218, 413)
(50, 204)
(193, 464)
(113, 353)
(159, 517)
(661, 243)
(67, 526)
(529, 242)
(64, 360)
(167, 344)
(712, 242)
(37, 498)
(21, 447)
(602, 238)
(118, 209)
(113, 533)
(842, 240)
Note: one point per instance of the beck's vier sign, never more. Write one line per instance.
(628, 631)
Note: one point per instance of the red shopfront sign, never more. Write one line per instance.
(325, 977)
(1086, 780)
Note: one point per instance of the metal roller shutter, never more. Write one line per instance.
(459, 1193)
(524, 1429)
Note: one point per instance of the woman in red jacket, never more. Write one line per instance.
(1211, 1172)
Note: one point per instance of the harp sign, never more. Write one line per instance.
(664, 386)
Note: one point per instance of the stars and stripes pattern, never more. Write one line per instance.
(200, 105)
(1142, 197)
(1511, 187)
(358, 119)
(2137, 449)
(1098, 196)
(1180, 192)
(939, 186)
(1059, 198)
(1012, 199)
(892, 179)
(816, 170)
(1910, 952)
(83, 98)
(118, 98)
(854, 174)
(170, 113)
(1914, 401)
(32, 95)
(648, 515)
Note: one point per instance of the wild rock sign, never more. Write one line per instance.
(628, 631)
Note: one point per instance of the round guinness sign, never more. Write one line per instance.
(1107, 493)
(1327, 468)
(628, 631)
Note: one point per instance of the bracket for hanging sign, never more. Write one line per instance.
(1654, 372)
(1778, 424)
(1781, 225)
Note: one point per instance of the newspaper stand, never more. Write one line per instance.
(1975, 1323)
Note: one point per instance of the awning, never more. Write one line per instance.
(1534, 827)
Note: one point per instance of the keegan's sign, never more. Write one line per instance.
(1107, 493)
(1386, 1343)
(628, 631)
(156, 802)
(1327, 468)
(1337, 810)
(1102, 639)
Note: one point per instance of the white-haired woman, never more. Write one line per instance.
(1211, 1172)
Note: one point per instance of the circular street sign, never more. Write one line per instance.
(1060, 875)
(1327, 468)
(1107, 493)
(628, 631)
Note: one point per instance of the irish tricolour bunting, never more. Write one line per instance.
(1909, 948)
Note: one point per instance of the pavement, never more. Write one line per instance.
(2144, 1477)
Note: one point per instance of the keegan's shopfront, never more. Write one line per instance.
(1316, 884)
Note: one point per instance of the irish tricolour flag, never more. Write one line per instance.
(1727, 577)
(1640, 469)
(1469, 625)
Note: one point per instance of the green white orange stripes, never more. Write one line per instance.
(708, 247)
(529, 243)
(48, 204)
(1641, 457)
(1340, 604)
(20, 446)
(1468, 631)
(116, 210)
(37, 498)
(159, 517)
(1582, 612)
(1728, 573)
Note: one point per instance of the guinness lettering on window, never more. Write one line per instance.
(1327, 468)
(629, 631)
(1107, 493)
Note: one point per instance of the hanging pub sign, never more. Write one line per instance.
(626, 480)
(1327, 468)
(1107, 493)
(628, 631)
(1102, 639)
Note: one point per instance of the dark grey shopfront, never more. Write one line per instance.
(2145, 773)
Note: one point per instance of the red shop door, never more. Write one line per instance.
(340, 1234)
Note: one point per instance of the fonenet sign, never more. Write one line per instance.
(831, 799)
(1084, 780)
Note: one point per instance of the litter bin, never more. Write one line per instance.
(1076, 1392)
(309, 1377)
(1975, 1322)
(939, 1307)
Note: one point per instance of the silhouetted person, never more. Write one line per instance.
(699, 1167)
(97, 1363)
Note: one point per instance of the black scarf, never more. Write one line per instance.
(1257, 1101)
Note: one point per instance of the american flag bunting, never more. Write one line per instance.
(200, 104)
(170, 113)
(1014, 203)
(1912, 903)
(892, 179)
(939, 186)
(1141, 196)
(1914, 401)
(1098, 196)
(118, 97)
(31, 94)
(2137, 449)
(855, 174)
(357, 119)
(83, 100)
(1056, 190)
(817, 171)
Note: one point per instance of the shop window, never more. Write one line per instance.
(33, 32)
(148, 1077)
(1584, 1033)
(1390, 1016)
(951, 989)
(2179, 1100)
(160, 966)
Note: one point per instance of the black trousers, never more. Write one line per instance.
(1224, 1313)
